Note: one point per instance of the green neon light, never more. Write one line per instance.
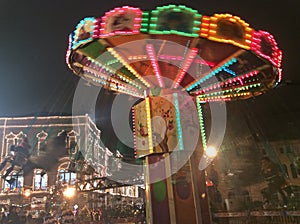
(173, 8)
(201, 122)
(179, 128)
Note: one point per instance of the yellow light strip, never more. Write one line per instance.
(109, 78)
(149, 125)
(212, 34)
(123, 62)
(122, 76)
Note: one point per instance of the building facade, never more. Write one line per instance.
(45, 185)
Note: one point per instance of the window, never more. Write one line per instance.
(42, 136)
(66, 177)
(40, 179)
(14, 182)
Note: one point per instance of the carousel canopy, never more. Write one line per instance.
(214, 58)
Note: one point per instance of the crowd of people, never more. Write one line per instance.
(17, 215)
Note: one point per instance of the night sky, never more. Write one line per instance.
(34, 38)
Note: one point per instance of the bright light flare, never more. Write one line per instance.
(69, 192)
(211, 151)
(27, 193)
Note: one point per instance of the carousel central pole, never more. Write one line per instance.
(175, 187)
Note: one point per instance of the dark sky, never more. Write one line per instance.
(34, 39)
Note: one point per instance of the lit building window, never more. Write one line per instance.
(14, 182)
(40, 180)
(66, 177)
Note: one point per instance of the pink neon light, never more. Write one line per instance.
(203, 62)
(230, 81)
(136, 26)
(152, 56)
(276, 56)
(180, 58)
(97, 27)
(187, 63)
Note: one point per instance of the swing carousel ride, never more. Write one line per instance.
(158, 56)
(174, 49)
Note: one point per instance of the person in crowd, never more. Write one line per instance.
(49, 219)
(67, 217)
(13, 216)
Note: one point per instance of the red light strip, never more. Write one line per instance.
(187, 63)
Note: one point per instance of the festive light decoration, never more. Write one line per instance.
(97, 27)
(174, 19)
(165, 57)
(240, 62)
(178, 122)
(205, 25)
(265, 45)
(233, 81)
(121, 21)
(134, 133)
(229, 71)
(230, 92)
(149, 125)
(201, 122)
(145, 22)
(219, 27)
(152, 56)
(100, 68)
(230, 29)
(83, 32)
(69, 50)
(114, 84)
(138, 57)
(114, 53)
(186, 64)
(212, 73)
